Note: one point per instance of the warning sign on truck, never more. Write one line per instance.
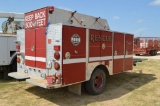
(36, 19)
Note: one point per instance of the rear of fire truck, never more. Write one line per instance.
(64, 48)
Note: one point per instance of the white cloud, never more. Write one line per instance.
(115, 17)
(140, 21)
(155, 3)
(139, 31)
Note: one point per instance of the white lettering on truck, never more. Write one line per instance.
(35, 20)
(40, 15)
(29, 17)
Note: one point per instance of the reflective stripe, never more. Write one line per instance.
(30, 58)
(41, 59)
(94, 58)
(81, 60)
(71, 61)
(128, 56)
(119, 57)
(107, 58)
(100, 58)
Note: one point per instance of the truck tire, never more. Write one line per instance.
(152, 53)
(137, 54)
(6, 77)
(14, 66)
(155, 52)
(97, 82)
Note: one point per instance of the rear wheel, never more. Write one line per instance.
(6, 71)
(152, 53)
(137, 54)
(97, 82)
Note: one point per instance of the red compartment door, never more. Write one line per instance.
(118, 62)
(30, 36)
(94, 45)
(35, 47)
(128, 52)
(106, 45)
(41, 47)
(74, 43)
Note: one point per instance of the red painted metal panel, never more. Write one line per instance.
(118, 66)
(74, 42)
(41, 64)
(95, 44)
(118, 62)
(107, 40)
(30, 46)
(36, 19)
(41, 46)
(73, 73)
(156, 43)
(129, 43)
(78, 51)
(128, 64)
(119, 43)
(128, 48)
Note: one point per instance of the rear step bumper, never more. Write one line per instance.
(42, 83)
(38, 82)
(18, 76)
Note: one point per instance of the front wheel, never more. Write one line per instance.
(97, 82)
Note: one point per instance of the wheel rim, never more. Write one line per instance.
(98, 81)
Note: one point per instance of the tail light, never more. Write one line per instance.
(51, 9)
(18, 60)
(18, 48)
(57, 55)
(57, 47)
(56, 66)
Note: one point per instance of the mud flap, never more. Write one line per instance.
(76, 89)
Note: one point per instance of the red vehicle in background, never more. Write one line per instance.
(146, 45)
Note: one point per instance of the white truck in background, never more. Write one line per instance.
(8, 36)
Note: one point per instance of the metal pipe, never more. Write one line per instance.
(12, 14)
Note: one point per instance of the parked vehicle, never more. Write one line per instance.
(8, 57)
(146, 45)
(64, 48)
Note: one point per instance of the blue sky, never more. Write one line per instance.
(140, 17)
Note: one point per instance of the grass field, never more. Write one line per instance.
(140, 87)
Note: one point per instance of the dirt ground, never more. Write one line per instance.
(140, 87)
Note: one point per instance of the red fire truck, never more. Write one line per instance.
(146, 45)
(64, 48)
